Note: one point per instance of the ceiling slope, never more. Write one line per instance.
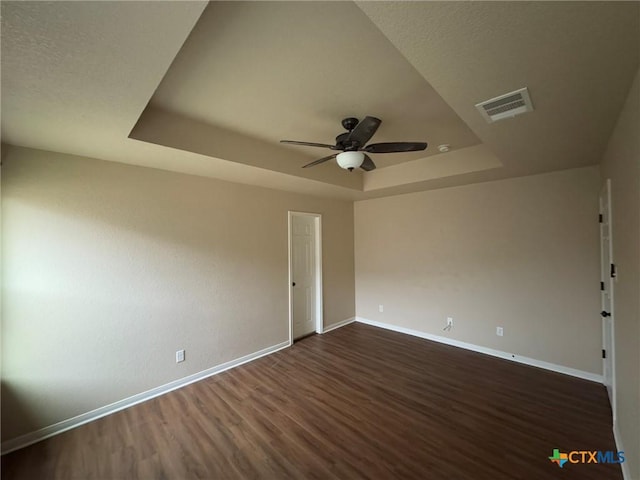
(578, 60)
(294, 70)
(77, 76)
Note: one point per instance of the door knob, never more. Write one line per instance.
(293, 284)
(605, 314)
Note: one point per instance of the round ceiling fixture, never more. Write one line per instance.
(350, 160)
(444, 148)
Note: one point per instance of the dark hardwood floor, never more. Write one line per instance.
(358, 402)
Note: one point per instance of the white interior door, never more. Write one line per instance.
(607, 277)
(303, 274)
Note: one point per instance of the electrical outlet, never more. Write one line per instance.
(381, 308)
(499, 331)
(180, 356)
(449, 321)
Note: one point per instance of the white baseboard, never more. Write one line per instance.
(46, 432)
(339, 324)
(594, 377)
(626, 470)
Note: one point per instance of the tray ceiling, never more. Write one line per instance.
(210, 89)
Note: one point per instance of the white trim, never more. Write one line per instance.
(626, 469)
(319, 301)
(318, 277)
(487, 351)
(333, 326)
(289, 288)
(46, 432)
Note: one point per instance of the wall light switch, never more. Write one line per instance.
(499, 331)
(381, 308)
(180, 356)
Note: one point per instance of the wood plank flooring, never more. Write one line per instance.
(358, 402)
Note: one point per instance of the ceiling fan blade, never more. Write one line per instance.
(393, 147)
(308, 144)
(321, 160)
(364, 130)
(367, 164)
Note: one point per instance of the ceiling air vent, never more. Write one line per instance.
(506, 106)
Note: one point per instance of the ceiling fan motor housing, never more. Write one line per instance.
(343, 142)
(350, 123)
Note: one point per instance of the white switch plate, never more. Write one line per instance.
(499, 331)
(180, 356)
(449, 321)
(381, 308)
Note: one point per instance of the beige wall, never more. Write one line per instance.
(520, 253)
(109, 269)
(622, 164)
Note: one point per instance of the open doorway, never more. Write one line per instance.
(305, 274)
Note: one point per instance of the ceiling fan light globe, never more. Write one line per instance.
(350, 160)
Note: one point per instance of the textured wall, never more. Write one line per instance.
(622, 164)
(109, 269)
(520, 253)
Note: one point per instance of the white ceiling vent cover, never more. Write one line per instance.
(506, 106)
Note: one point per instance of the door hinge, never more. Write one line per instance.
(604, 353)
(602, 286)
(613, 271)
(600, 218)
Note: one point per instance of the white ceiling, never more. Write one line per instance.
(76, 77)
(304, 67)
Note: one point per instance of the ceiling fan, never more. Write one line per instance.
(352, 144)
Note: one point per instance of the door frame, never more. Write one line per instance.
(317, 227)
(609, 282)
